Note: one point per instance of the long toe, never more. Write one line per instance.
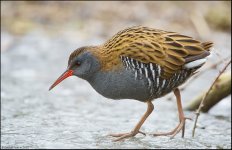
(121, 136)
(166, 133)
(117, 134)
(174, 132)
(127, 135)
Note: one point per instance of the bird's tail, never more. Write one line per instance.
(198, 60)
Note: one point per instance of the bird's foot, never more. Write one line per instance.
(121, 136)
(173, 133)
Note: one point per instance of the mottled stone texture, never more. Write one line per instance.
(73, 115)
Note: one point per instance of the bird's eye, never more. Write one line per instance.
(78, 63)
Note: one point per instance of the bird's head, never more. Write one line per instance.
(81, 63)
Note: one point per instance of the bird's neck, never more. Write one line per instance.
(108, 58)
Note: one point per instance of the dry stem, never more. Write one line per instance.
(203, 99)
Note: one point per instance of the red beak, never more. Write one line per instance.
(66, 74)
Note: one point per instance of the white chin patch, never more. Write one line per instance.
(195, 63)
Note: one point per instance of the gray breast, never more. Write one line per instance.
(120, 84)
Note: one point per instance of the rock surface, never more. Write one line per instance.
(73, 115)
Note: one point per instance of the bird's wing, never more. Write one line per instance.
(170, 50)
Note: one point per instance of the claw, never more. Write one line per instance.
(142, 133)
(189, 118)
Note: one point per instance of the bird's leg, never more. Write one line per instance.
(135, 131)
(182, 118)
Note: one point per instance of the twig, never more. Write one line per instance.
(207, 93)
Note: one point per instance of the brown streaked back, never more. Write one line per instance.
(147, 45)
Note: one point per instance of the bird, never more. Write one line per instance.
(140, 63)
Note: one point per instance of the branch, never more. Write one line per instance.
(204, 97)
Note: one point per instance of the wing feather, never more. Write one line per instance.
(170, 50)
